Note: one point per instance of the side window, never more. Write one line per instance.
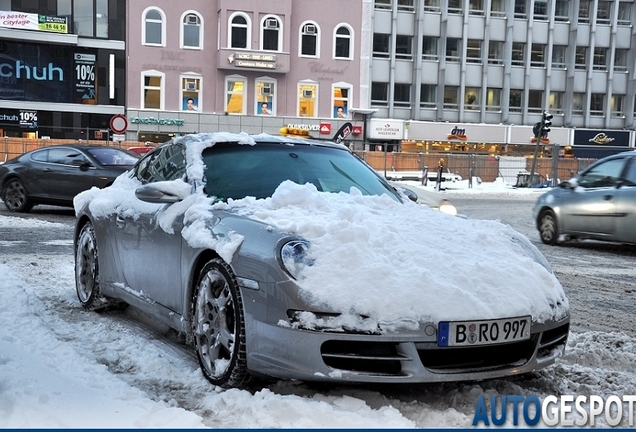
(630, 174)
(605, 174)
(40, 156)
(66, 156)
(165, 164)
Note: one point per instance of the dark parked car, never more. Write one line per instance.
(54, 175)
(599, 203)
(284, 257)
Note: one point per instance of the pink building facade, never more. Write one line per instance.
(251, 65)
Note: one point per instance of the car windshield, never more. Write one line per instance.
(113, 156)
(237, 171)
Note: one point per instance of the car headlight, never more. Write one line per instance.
(448, 208)
(294, 257)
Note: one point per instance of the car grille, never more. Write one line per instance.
(386, 358)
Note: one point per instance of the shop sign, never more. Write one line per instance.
(608, 138)
(325, 128)
(155, 121)
(31, 21)
(357, 130)
(385, 129)
(28, 119)
(307, 127)
(458, 134)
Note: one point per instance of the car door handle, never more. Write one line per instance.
(607, 197)
(120, 222)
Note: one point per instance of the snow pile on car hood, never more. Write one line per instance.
(395, 262)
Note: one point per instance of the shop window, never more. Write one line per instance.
(341, 96)
(518, 50)
(271, 33)
(152, 90)
(558, 56)
(514, 100)
(343, 41)
(597, 101)
(265, 97)
(307, 99)
(239, 31)
(154, 27)
(493, 99)
(452, 50)
(309, 40)
(381, 45)
(451, 97)
(191, 31)
(428, 96)
(191, 93)
(599, 62)
(580, 58)
(495, 52)
(380, 94)
(404, 47)
(235, 91)
(429, 48)
(616, 106)
(556, 102)
(402, 95)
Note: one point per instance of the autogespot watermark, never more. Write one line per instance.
(560, 411)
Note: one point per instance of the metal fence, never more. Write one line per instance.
(484, 167)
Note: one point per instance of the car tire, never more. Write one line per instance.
(15, 196)
(548, 228)
(87, 270)
(218, 326)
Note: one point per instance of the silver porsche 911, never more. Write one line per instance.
(291, 258)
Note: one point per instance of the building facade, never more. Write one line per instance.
(62, 67)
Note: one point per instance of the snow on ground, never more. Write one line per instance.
(63, 367)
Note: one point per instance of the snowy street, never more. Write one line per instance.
(63, 367)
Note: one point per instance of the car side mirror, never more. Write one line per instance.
(569, 184)
(409, 193)
(167, 192)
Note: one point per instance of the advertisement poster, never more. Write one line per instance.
(85, 79)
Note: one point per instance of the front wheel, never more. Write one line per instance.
(548, 228)
(87, 270)
(15, 197)
(219, 326)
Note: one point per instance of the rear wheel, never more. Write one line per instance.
(548, 228)
(15, 196)
(219, 326)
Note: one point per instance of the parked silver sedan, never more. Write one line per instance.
(212, 235)
(599, 203)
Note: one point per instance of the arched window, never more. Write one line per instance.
(309, 40)
(154, 27)
(271, 33)
(191, 31)
(343, 42)
(239, 31)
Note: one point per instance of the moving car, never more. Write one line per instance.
(599, 204)
(292, 258)
(55, 174)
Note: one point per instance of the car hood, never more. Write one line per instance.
(374, 257)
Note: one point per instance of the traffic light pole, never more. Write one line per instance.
(540, 130)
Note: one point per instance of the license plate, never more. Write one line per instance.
(487, 332)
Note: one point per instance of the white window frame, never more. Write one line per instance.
(347, 100)
(199, 91)
(182, 29)
(315, 96)
(162, 89)
(249, 30)
(265, 80)
(163, 26)
(280, 32)
(225, 93)
(351, 41)
(300, 39)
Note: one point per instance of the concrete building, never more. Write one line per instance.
(62, 67)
